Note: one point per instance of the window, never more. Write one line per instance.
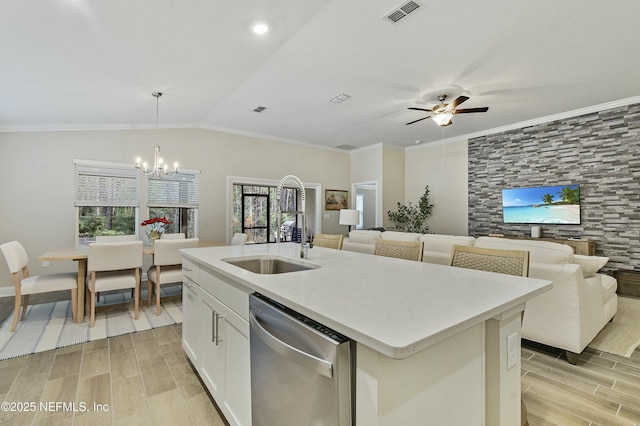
(176, 198)
(255, 209)
(108, 202)
(107, 199)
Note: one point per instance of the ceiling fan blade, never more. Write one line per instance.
(457, 101)
(420, 119)
(419, 109)
(467, 110)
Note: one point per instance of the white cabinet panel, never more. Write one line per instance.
(212, 356)
(190, 318)
(216, 339)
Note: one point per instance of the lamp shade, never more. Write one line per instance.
(349, 217)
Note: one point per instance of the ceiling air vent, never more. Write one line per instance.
(400, 12)
(259, 109)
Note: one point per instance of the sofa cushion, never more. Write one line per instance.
(539, 251)
(444, 243)
(400, 236)
(589, 264)
(364, 236)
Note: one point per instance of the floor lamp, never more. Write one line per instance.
(349, 217)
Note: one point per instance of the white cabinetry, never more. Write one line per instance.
(190, 318)
(219, 324)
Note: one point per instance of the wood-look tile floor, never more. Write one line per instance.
(601, 389)
(145, 378)
(142, 378)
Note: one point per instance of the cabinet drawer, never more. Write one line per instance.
(190, 270)
(236, 298)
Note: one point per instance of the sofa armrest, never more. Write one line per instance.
(569, 315)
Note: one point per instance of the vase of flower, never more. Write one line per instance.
(155, 228)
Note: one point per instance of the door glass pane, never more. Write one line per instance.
(256, 236)
(246, 189)
(255, 211)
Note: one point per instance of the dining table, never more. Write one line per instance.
(80, 254)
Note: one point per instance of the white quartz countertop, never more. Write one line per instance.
(396, 307)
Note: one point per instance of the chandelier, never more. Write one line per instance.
(160, 167)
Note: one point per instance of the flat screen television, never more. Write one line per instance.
(558, 204)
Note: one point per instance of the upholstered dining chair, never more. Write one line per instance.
(167, 266)
(410, 250)
(177, 236)
(510, 262)
(114, 266)
(328, 241)
(17, 260)
(114, 239)
(239, 239)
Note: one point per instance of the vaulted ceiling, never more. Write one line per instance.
(93, 64)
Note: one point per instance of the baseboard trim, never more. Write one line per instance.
(7, 291)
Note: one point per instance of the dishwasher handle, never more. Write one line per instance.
(305, 359)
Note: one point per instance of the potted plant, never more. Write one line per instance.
(412, 218)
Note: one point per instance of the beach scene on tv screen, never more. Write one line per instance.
(547, 204)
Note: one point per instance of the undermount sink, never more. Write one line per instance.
(268, 264)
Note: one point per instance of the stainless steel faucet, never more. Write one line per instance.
(303, 196)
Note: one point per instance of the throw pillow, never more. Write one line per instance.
(590, 264)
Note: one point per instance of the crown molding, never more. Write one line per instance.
(533, 122)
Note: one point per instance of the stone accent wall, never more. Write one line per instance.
(599, 151)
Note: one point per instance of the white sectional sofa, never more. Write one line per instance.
(578, 306)
(437, 247)
(568, 316)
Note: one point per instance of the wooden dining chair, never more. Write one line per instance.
(114, 266)
(410, 250)
(17, 260)
(114, 238)
(239, 239)
(167, 266)
(510, 262)
(328, 241)
(177, 236)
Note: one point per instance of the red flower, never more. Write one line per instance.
(156, 220)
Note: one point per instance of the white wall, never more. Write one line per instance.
(366, 166)
(444, 167)
(37, 177)
(393, 183)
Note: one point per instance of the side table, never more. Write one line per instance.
(628, 282)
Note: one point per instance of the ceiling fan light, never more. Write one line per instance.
(443, 118)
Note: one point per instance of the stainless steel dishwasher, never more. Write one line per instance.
(300, 370)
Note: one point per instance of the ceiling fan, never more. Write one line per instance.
(443, 113)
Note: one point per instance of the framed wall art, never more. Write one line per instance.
(335, 199)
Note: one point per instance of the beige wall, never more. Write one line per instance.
(385, 166)
(444, 167)
(393, 183)
(366, 166)
(37, 190)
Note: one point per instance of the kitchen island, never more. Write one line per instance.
(431, 339)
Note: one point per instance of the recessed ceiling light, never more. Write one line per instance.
(340, 98)
(260, 28)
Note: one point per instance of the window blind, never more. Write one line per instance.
(106, 184)
(181, 190)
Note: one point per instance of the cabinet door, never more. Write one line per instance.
(238, 368)
(212, 354)
(190, 316)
